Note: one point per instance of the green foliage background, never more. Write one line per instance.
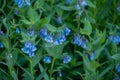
(100, 18)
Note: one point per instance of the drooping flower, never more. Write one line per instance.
(60, 74)
(29, 49)
(68, 1)
(17, 30)
(43, 32)
(47, 59)
(92, 56)
(60, 40)
(115, 39)
(1, 32)
(118, 8)
(49, 38)
(22, 3)
(66, 31)
(80, 41)
(83, 3)
(78, 7)
(66, 59)
(1, 45)
(59, 19)
(118, 68)
(31, 33)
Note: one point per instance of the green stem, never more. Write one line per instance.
(51, 70)
(31, 70)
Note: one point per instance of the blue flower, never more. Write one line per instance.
(31, 33)
(78, 7)
(116, 78)
(16, 11)
(80, 41)
(66, 59)
(47, 59)
(83, 3)
(92, 56)
(59, 19)
(60, 74)
(49, 38)
(1, 32)
(115, 39)
(118, 68)
(1, 45)
(83, 43)
(29, 49)
(68, 1)
(118, 8)
(22, 3)
(66, 31)
(43, 32)
(17, 30)
(60, 40)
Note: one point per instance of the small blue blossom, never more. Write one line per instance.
(68, 1)
(83, 43)
(1, 32)
(60, 74)
(22, 3)
(16, 11)
(43, 32)
(17, 30)
(29, 49)
(116, 78)
(31, 33)
(66, 31)
(80, 41)
(92, 56)
(118, 68)
(83, 3)
(49, 38)
(115, 39)
(47, 59)
(1, 45)
(59, 19)
(66, 59)
(78, 7)
(60, 40)
(118, 8)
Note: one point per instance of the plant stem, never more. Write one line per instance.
(31, 70)
(51, 70)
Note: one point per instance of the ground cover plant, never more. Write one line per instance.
(59, 39)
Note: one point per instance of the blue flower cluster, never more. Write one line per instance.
(115, 39)
(66, 59)
(118, 68)
(29, 48)
(80, 41)
(22, 3)
(49, 37)
(1, 45)
(83, 3)
(47, 59)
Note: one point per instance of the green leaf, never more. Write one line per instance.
(89, 3)
(87, 30)
(5, 42)
(42, 70)
(26, 22)
(37, 57)
(116, 57)
(67, 8)
(104, 72)
(14, 75)
(51, 27)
